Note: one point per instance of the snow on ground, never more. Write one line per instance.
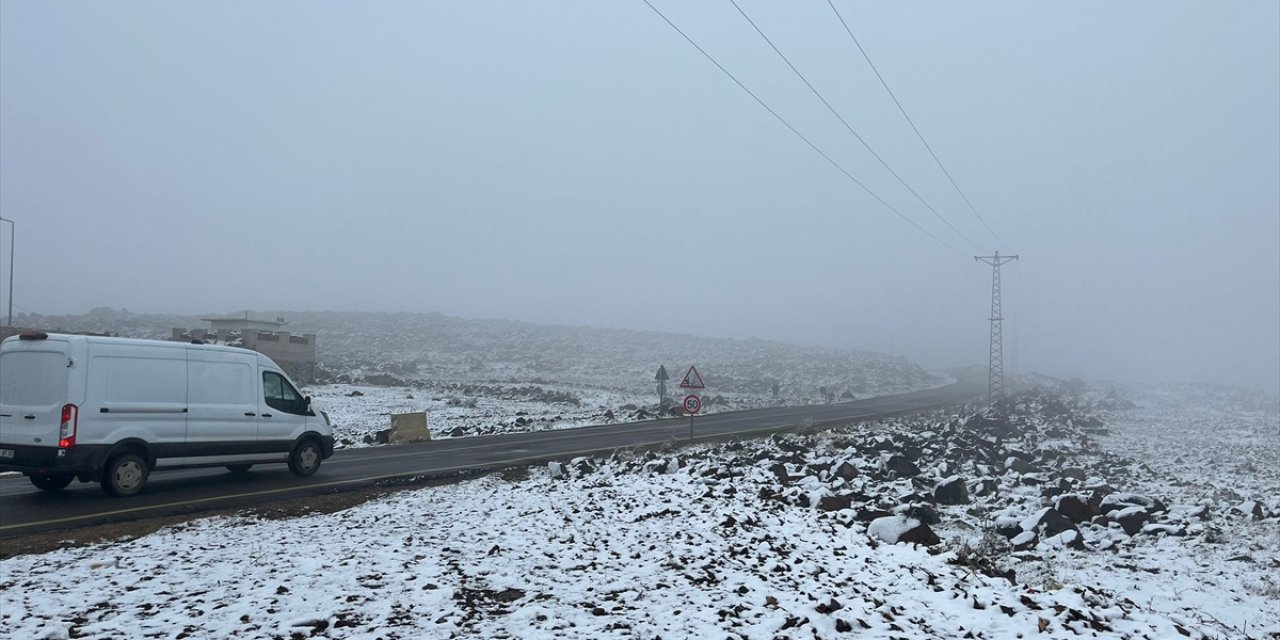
(760, 539)
(459, 408)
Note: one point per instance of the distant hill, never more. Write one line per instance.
(408, 347)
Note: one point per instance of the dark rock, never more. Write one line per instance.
(779, 471)
(1018, 465)
(869, 515)
(1074, 473)
(1009, 529)
(828, 607)
(835, 503)
(986, 487)
(355, 394)
(382, 437)
(1118, 501)
(920, 535)
(1074, 508)
(843, 626)
(895, 529)
(900, 465)
(923, 513)
(1024, 541)
(951, 491)
(1131, 519)
(1049, 523)
(846, 471)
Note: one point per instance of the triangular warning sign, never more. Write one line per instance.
(692, 380)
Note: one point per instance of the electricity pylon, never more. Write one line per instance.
(995, 366)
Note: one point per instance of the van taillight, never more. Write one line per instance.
(67, 430)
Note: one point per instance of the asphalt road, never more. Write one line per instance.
(26, 510)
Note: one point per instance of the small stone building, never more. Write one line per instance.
(295, 354)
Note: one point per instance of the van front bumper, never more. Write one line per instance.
(51, 461)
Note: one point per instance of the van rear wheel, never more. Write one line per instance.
(125, 475)
(51, 483)
(305, 459)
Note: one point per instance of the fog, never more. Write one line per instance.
(581, 163)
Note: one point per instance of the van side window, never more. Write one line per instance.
(281, 395)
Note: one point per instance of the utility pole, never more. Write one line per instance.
(995, 365)
(12, 227)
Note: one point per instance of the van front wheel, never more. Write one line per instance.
(51, 483)
(125, 475)
(305, 459)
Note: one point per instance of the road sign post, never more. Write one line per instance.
(692, 404)
(662, 378)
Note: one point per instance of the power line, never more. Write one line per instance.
(796, 131)
(848, 126)
(912, 123)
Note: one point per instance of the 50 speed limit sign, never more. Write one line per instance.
(692, 404)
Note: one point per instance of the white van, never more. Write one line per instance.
(114, 409)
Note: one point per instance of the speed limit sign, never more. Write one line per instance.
(692, 404)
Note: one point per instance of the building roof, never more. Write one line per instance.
(279, 322)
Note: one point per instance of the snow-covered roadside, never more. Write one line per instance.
(604, 555)
(762, 539)
(359, 412)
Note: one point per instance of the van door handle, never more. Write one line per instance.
(250, 413)
(30, 417)
(266, 415)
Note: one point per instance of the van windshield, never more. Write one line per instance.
(32, 378)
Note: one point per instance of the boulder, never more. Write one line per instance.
(985, 487)
(1074, 473)
(1131, 519)
(846, 471)
(1008, 527)
(1048, 522)
(1075, 508)
(1018, 465)
(835, 503)
(870, 515)
(1166, 529)
(902, 466)
(557, 470)
(1119, 501)
(951, 491)
(922, 512)
(895, 529)
(1023, 541)
(779, 471)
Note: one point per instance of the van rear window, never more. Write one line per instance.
(33, 378)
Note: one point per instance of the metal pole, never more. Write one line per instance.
(995, 363)
(12, 231)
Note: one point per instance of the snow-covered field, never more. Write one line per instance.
(759, 539)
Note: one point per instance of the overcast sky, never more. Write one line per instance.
(581, 163)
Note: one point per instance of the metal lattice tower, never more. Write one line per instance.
(995, 366)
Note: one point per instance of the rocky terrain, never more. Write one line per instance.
(1147, 514)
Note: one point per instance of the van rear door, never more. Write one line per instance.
(33, 389)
